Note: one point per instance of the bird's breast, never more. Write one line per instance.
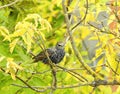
(57, 56)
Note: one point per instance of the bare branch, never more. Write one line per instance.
(86, 12)
(93, 84)
(52, 65)
(72, 29)
(73, 74)
(99, 29)
(109, 66)
(29, 86)
(78, 55)
(54, 82)
(4, 6)
(26, 83)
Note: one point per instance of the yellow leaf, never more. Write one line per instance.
(57, 2)
(13, 44)
(45, 25)
(93, 38)
(24, 39)
(29, 41)
(4, 31)
(13, 75)
(7, 38)
(113, 61)
(12, 67)
(31, 33)
(96, 1)
(85, 32)
(117, 78)
(34, 17)
(100, 62)
(1, 58)
(22, 28)
(19, 32)
(90, 17)
(22, 25)
(48, 26)
(43, 36)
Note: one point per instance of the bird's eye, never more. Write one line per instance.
(59, 45)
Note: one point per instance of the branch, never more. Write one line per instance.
(30, 86)
(93, 90)
(40, 72)
(109, 66)
(72, 29)
(116, 11)
(54, 82)
(52, 65)
(99, 29)
(10, 4)
(86, 12)
(79, 57)
(93, 84)
(73, 73)
(26, 83)
(102, 31)
(43, 47)
(68, 69)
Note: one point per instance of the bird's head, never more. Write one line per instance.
(60, 45)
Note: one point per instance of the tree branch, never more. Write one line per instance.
(73, 74)
(79, 57)
(93, 84)
(26, 83)
(10, 4)
(86, 12)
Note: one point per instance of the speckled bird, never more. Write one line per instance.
(56, 54)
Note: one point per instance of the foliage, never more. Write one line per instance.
(91, 64)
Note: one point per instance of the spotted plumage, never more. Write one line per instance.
(56, 54)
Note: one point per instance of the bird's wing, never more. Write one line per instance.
(51, 51)
(42, 54)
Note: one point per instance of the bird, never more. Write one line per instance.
(55, 54)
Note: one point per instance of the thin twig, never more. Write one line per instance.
(44, 49)
(29, 86)
(54, 82)
(99, 29)
(116, 11)
(86, 12)
(40, 72)
(109, 66)
(10, 4)
(68, 69)
(72, 29)
(114, 34)
(93, 90)
(116, 69)
(72, 73)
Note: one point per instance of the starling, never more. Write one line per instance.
(56, 54)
